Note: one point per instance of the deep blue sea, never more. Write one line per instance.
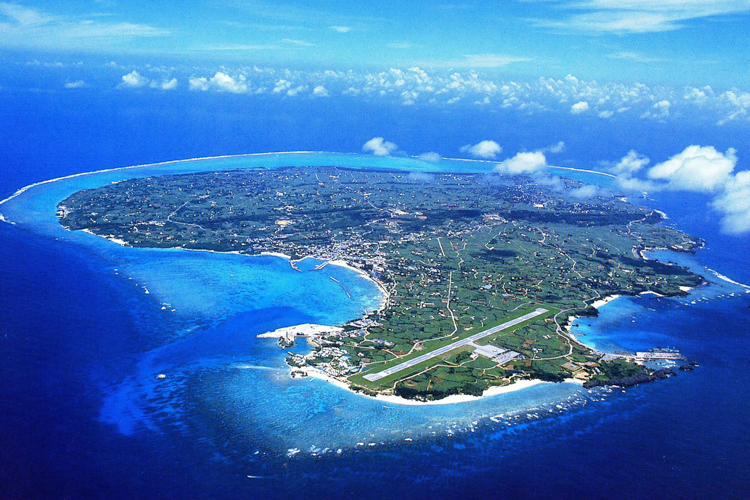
(83, 415)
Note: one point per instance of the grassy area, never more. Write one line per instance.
(388, 381)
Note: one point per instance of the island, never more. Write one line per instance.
(481, 274)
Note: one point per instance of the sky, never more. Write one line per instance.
(672, 76)
(695, 42)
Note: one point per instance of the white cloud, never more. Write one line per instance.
(430, 156)
(522, 163)
(579, 107)
(223, 81)
(281, 85)
(169, 85)
(198, 83)
(24, 16)
(630, 163)
(640, 16)
(409, 97)
(164, 85)
(341, 29)
(320, 91)
(296, 90)
(484, 149)
(75, 85)
(298, 43)
(436, 88)
(658, 111)
(379, 147)
(133, 80)
(555, 148)
(587, 191)
(29, 28)
(634, 57)
(630, 183)
(737, 105)
(477, 61)
(698, 96)
(697, 168)
(734, 204)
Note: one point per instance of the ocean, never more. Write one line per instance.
(84, 415)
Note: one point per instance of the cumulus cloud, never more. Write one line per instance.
(697, 168)
(281, 85)
(630, 183)
(220, 81)
(484, 149)
(555, 148)
(523, 163)
(698, 96)
(430, 156)
(224, 82)
(658, 111)
(133, 80)
(198, 83)
(456, 88)
(296, 90)
(164, 85)
(630, 163)
(579, 107)
(320, 91)
(734, 204)
(75, 85)
(379, 147)
(587, 191)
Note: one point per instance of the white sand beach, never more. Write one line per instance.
(458, 398)
(303, 330)
(606, 300)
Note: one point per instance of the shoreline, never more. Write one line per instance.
(309, 329)
(363, 274)
(606, 300)
(244, 155)
(155, 164)
(301, 330)
(453, 399)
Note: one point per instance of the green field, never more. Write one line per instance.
(387, 382)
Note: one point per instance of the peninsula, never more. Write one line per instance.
(480, 273)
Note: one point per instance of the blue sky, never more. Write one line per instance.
(678, 42)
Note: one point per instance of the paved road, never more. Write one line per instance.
(372, 377)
